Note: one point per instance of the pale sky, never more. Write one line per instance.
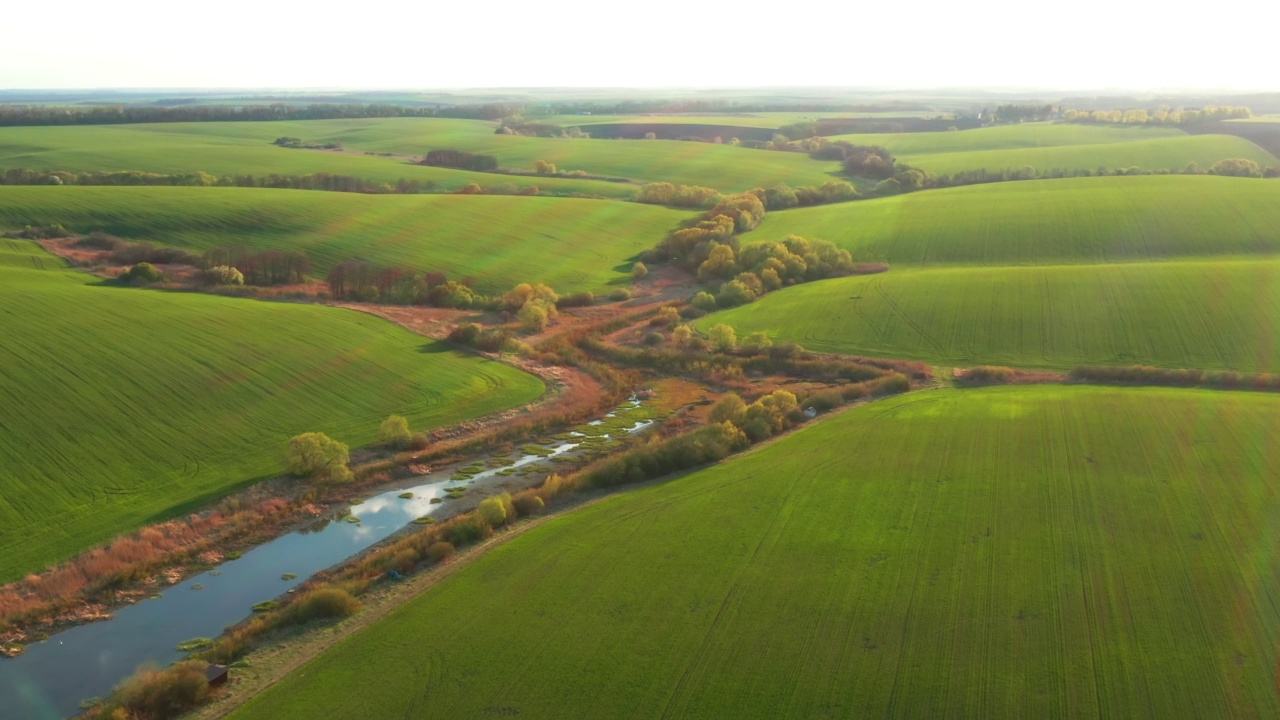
(1074, 44)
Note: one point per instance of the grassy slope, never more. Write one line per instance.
(238, 149)
(1004, 137)
(1035, 222)
(1014, 552)
(245, 147)
(1047, 146)
(501, 240)
(1161, 154)
(120, 405)
(1200, 314)
(749, 120)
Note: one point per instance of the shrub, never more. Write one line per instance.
(756, 342)
(729, 408)
(220, 275)
(681, 335)
(465, 531)
(986, 375)
(582, 299)
(395, 432)
(723, 337)
(99, 240)
(43, 232)
(319, 457)
(133, 253)
(440, 551)
(620, 294)
(493, 511)
(639, 270)
(324, 604)
(143, 272)
(653, 338)
(1237, 167)
(534, 316)
(704, 301)
(528, 504)
(156, 694)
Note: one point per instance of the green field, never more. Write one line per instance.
(245, 147)
(1049, 221)
(1045, 552)
(758, 120)
(500, 240)
(1193, 314)
(122, 406)
(1046, 146)
(239, 149)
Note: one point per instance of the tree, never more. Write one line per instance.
(319, 457)
(723, 337)
(639, 270)
(542, 167)
(395, 431)
(1237, 167)
(720, 263)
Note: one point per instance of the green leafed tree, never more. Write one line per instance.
(319, 457)
(395, 431)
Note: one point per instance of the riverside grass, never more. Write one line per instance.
(1212, 314)
(1046, 551)
(571, 244)
(245, 148)
(1074, 220)
(1046, 147)
(122, 406)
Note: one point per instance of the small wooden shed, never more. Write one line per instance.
(216, 675)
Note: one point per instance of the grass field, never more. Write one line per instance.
(1049, 221)
(121, 406)
(1044, 552)
(1046, 146)
(758, 120)
(222, 148)
(500, 240)
(1194, 314)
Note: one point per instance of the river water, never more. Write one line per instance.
(51, 678)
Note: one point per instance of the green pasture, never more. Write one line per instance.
(124, 406)
(1006, 137)
(231, 148)
(1049, 146)
(1046, 552)
(757, 120)
(569, 243)
(1076, 220)
(1194, 314)
(245, 148)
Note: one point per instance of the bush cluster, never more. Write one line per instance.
(1146, 375)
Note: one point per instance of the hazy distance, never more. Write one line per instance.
(1088, 44)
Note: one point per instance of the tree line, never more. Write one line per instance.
(317, 181)
(709, 248)
(14, 115)
(460, 160)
